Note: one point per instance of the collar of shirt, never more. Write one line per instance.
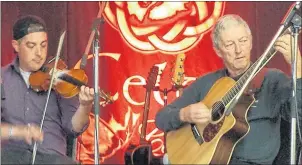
(16, 66)
(226, 73)
(25, 76)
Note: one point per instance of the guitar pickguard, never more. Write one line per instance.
(211, 130)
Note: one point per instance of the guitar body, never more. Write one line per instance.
(138, 155)
(219, 137)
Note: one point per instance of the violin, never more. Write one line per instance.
(66, 82)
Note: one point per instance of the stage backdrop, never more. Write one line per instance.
(134, 37)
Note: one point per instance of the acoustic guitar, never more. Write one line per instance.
(214, 142)
(142, 154)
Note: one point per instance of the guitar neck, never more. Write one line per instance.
(240, 83)
(180, 91)
(145, 116)
(179, 70)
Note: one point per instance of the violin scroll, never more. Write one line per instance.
(107, 97)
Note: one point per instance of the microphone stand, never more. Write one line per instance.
(96, 45)
(165, 91)
(296, 25)
(96, 95)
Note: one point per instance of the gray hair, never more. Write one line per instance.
(223, 23)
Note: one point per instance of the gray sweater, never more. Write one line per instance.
(262, 143)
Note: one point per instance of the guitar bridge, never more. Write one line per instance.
(196, 134)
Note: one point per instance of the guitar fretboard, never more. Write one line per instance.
(240, 83)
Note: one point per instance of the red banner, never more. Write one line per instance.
(135, 37)
(155, 34)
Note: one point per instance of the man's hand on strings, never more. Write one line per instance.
(195, 113)
(81, 117)
(283, 45)
(86, 96)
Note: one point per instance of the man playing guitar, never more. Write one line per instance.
(232, 40)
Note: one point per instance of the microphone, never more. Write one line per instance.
(95, 24)
(291, 13)
(298, 5)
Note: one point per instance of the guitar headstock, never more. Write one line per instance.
(178, 76)
(152, 77)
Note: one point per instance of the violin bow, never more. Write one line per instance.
(49, 90)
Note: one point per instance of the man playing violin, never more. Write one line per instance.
(22, 108)
(232, 41)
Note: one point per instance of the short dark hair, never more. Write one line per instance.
(28, 24)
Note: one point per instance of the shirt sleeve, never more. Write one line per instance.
(283, 88)
(167, 118)
(68, 107)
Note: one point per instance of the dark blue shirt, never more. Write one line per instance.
(262, 143)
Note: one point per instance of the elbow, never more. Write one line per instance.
(73, 131)
(159, 120)
(167, 119)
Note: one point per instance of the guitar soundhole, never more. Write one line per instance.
(211, 130)
(217, 110)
